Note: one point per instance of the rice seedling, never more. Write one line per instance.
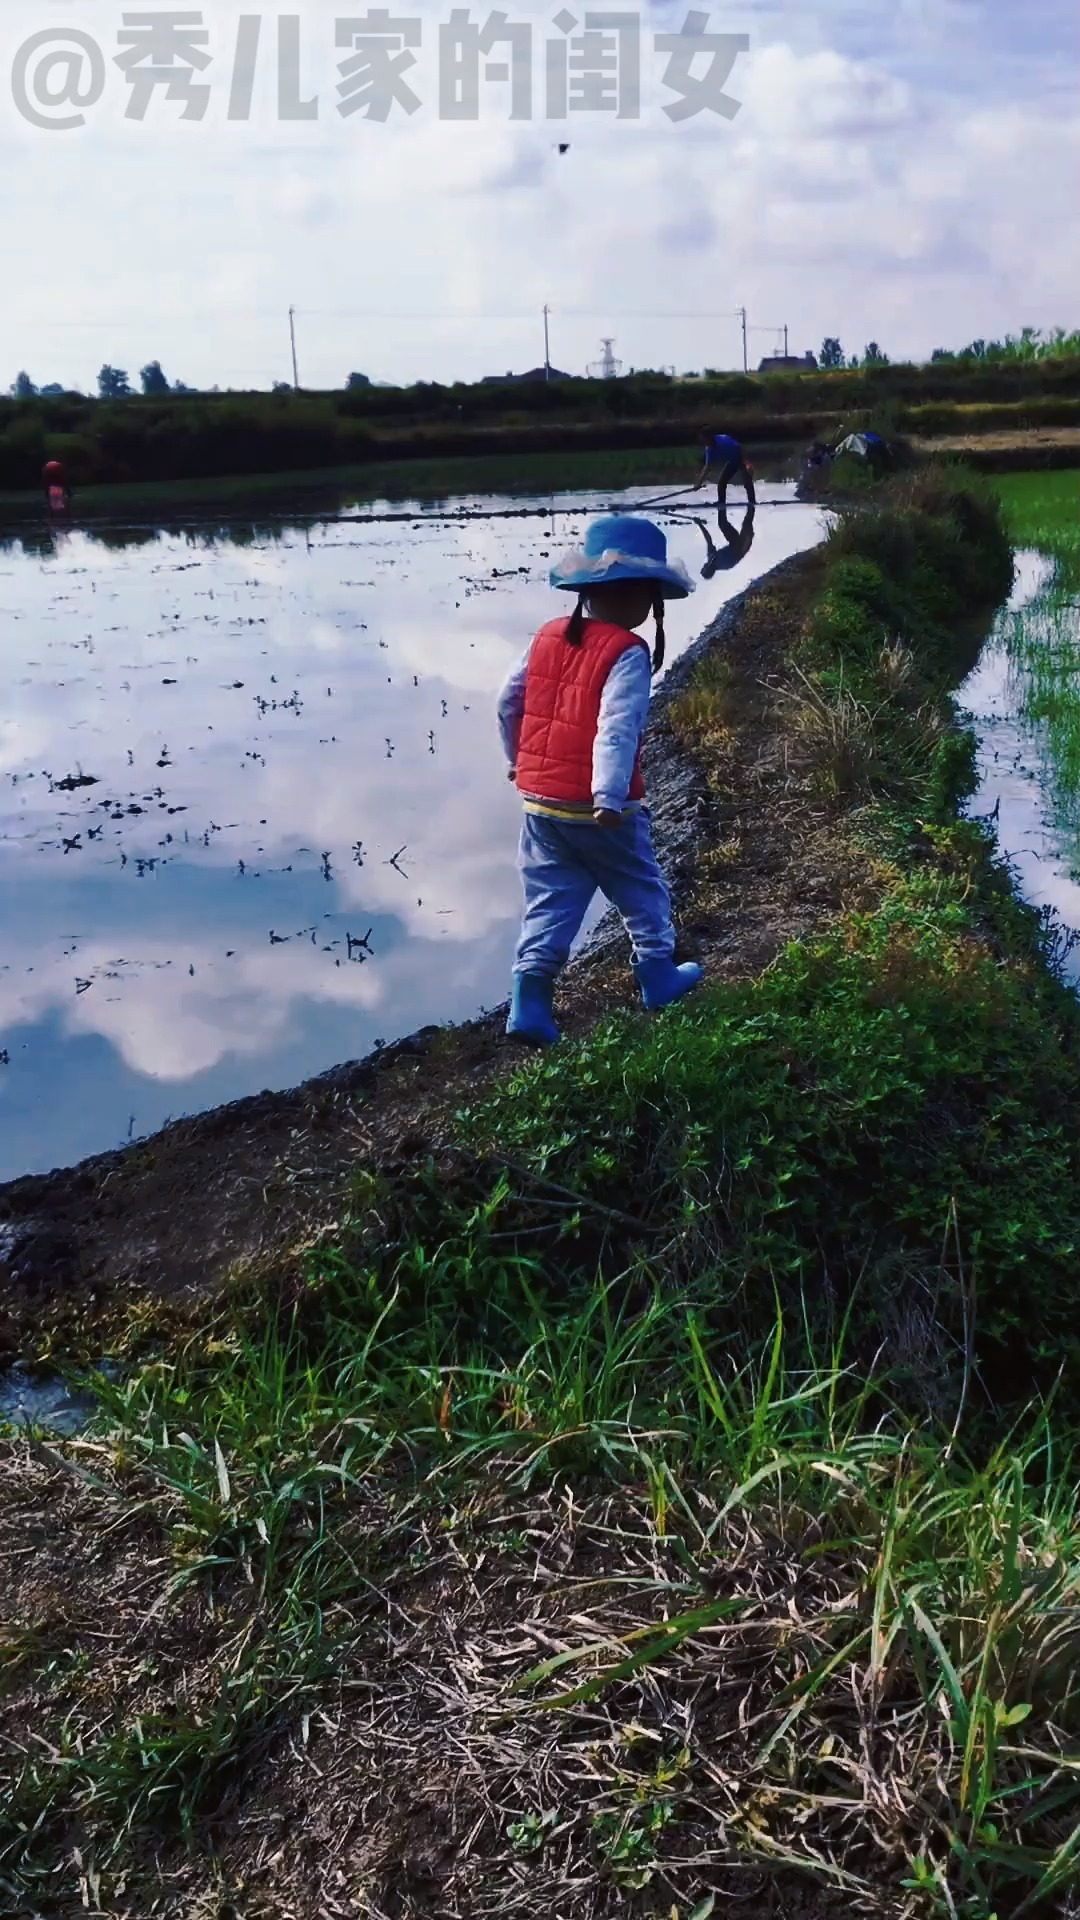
(1043, 513)
(1042, 638)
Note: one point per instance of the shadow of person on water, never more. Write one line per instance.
(737, 543)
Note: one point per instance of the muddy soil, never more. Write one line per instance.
(1010, 451)
(89, 1253)
(396, 1797)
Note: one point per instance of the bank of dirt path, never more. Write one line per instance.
(1011, 450)
(230, 1193)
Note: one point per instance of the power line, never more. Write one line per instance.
(616, 314)
(472, 314)
(426, 316)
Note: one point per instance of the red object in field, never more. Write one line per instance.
(54, 475)
(57, 499)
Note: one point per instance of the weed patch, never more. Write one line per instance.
(707, 710)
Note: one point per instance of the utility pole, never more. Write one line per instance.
(292, 336)
(547, 350)
(745, 348)
(785, 344)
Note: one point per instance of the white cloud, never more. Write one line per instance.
(869, 144)
(798, 99)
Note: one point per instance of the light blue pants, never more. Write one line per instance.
(563, 864)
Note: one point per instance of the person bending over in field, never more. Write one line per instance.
(725, 461)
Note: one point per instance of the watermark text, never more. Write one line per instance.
(382, 66)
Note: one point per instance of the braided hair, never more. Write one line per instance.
(575, 626)
(658, 649)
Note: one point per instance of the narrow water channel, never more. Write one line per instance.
(1026, 779)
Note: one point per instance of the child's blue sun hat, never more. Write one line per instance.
(622, 546)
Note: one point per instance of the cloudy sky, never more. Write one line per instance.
(904, 172)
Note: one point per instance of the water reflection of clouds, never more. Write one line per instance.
(1017, 776)
(190, 918)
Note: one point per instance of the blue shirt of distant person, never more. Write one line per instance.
(725, 460)
(723, 450)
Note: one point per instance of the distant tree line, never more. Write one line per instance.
(1029, 347)
(167, 432)
(832, 356)
(112, 384)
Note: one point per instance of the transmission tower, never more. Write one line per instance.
(607, 367)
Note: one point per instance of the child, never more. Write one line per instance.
(571, 717)
(57, 492)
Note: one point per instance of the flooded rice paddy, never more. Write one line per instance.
(253, 813)
(1022, 701)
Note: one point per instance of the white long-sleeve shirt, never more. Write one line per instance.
(624, 709)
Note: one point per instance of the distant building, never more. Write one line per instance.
(518, 379)
(789, 363)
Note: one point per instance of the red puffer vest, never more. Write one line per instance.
(563, 689)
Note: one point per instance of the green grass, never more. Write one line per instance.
(1043, 641)
(1043, 638)
(1043, 511)
(736, 1350)
(237, 447)
(833, 1124)
(297, 1480)
(434, 479)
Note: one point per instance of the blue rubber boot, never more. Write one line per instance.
(531, 1018)
(661, 981)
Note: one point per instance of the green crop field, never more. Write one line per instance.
(1043, 636)
(1043, 511)
(329, 489)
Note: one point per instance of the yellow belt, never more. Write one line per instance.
(568, 810)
